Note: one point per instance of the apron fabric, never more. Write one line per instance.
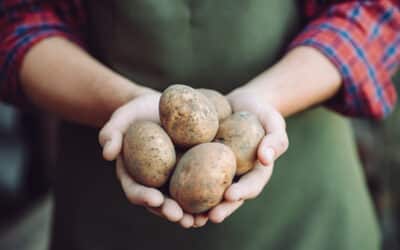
(317, 198)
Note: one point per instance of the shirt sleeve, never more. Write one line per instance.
(24, 24)
(362, 39)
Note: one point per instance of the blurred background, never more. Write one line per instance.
(28, 149)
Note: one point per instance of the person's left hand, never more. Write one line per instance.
(274, 144)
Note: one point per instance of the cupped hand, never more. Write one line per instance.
(273, 145)
(144, 107)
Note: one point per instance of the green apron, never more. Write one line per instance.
(317, 198)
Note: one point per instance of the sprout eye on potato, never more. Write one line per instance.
(188, 116)
(202, 175)
(242, 132)
(221, 104)
(149, 154)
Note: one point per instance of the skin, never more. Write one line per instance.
(60, 78)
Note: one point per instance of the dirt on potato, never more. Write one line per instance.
(242, 132)
(202, 176)
(149, 154)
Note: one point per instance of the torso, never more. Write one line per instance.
(317, 197)
(202, 43)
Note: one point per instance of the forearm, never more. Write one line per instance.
(61, 78)
(302, 78)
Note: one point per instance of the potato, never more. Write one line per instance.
(188, 116)
(242, 132)
(221, 104)
(149, 153)
(202, 176)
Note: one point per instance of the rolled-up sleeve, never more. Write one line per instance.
(25, 23)
(362, 39)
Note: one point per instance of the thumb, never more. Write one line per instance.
(111, 135)
(275, 142)
(111, 141)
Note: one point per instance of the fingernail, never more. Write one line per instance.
(269, 154)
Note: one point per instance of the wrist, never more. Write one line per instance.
(260, 90)
(302, 78)
(122, 89)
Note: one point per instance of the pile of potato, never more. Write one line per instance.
(198, 149)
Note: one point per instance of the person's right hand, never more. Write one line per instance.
(144, 107)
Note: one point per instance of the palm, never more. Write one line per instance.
(144, 107)
(271, 147)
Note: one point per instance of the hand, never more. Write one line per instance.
(144, 107)
(274, 144)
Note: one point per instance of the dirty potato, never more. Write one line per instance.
(221, 104)
(242, 132)
(188, 116)
(149, 153)
(202, 176)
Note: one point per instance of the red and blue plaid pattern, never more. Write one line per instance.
(360, 37)
(25, 23)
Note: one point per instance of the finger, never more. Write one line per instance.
(271, 147)
(113, 145)
(171, 210)
(200, 220)
(144, 107)
(110, 136)
(168, 211)
(187, 221)
(249, 185)
(223, 210)
(276, 142)
(136, 193)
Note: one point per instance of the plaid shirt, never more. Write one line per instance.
(361, 38)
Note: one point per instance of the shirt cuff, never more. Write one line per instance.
(366, 90)
(11, 91)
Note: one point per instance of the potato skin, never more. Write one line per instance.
(242, 132)
(188, 116)
(221, 104)
(202, 176)
(149, 153)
